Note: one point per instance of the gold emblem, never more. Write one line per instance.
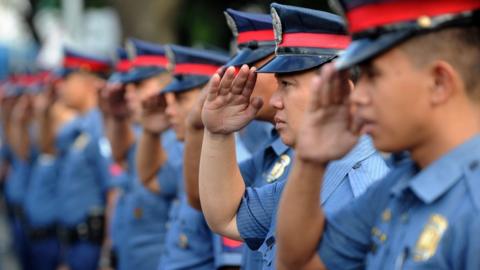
(387, 215)
(138, 212)
(81, 141)
(279, 168)
(424, 22)
(183, 241)
(430, 238)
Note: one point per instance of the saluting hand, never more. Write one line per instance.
(113, 101)
(23, 110)
(327, 133)
(153, 118)
(229, 105)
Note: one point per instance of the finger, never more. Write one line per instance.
(213, 88)
(251, 81)
(256, 104)
(240, 80)
(315, 99)
(343, 94)
(221, 71)
(325, 89)
(227, 80)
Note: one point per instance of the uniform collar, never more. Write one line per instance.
(278, 146)
(435, 180)
(337, 170)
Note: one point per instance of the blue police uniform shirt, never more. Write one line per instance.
(17, 179)
(147, 213)
(344, 179)
(190, 244)
(400, 221)
(84, 176)
(459, 247)
(41, 200)
(255, 172)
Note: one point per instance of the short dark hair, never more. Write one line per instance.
(459, 46)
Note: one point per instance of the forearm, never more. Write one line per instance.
(300, 210)
(121, 136)
(150, 157)
(191, 165)
(221, 184)
(21, 141)
(46, 134)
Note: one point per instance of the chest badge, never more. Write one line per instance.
(138, 213)
(183, 241)
(279, 168)
(430, 237)
(81, 141)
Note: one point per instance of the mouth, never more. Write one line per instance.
(279, 122)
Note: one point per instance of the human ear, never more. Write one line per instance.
(445, 82)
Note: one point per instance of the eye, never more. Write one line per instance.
(285, 83)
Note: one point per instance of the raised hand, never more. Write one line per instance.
(113, 102)
(229, 105)
(327, 133)
(153, 117)
(44, 101)
(23, 110)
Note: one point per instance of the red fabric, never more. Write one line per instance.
(196, 69)
(375, 15)
(123, 66)
(231, 243)
(259, 35)
(115, 169)
(91, 65)
(314, 40)
(150, 60)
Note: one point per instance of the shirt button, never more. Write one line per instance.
(473, 165)
(357, 165)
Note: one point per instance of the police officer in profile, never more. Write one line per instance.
(142, 212)
(306, 39)
(21, 155)
(41, 195)
(255, 43)
(416, 92)
(84, 180)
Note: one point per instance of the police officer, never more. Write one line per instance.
(22, 155)
(145, 212)
(415, 93)
(41, 196)
(189, 241)
(256, 45)
(249, 213)
(84, 179)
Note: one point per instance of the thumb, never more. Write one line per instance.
(256, 103)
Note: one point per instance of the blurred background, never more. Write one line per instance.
(34, 31)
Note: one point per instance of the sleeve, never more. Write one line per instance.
(227, 252)
(256, 212)
(347, 235)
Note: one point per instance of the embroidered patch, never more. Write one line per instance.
(81, 141)
(430, 237)
(279, 168)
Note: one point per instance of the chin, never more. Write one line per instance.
(286, 138)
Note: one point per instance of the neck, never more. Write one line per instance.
(447, 136)
(89, 103)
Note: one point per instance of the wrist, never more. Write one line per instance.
(217, 136)
(151, 133)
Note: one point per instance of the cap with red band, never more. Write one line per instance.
(254, 36)
(193, 67)
(306, 38)
(377, 26)
(146, 60)
(76, 61)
